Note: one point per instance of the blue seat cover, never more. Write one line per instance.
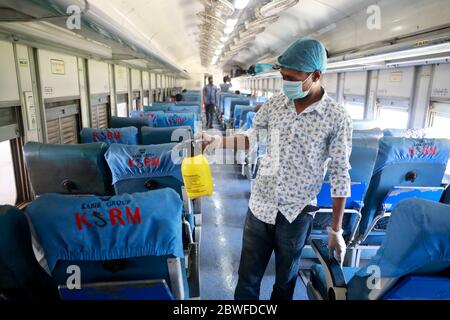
(426, 158)
(126, 135)
(174, 120)
(100, 228)
(137, 162)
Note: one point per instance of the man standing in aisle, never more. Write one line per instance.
(306, 130)
(210, 100)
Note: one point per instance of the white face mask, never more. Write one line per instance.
(294, 89)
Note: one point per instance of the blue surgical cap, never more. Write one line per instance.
(307, 55)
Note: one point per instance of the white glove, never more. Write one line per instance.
(336, 245)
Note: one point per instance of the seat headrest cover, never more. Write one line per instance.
(405, 133)
(144, 114)
(165, 135)
(136, 162)
(99, 228)
(126, 135)
(375, 132)
(417, 238)
(397, 150)
(175, 120)
(120, 122)
(185, 108)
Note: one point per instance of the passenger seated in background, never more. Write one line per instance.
(178, 97)
(237, 92)
(184, 91)
(311, 128)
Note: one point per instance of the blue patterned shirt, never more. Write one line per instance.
(300, 148)
(210, 94)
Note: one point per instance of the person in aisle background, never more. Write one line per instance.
(210, 100)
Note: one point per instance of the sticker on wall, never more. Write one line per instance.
(396, 76)
(23, 63)
(48, 91)
(58, 66)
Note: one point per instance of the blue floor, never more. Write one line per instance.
(220, 248)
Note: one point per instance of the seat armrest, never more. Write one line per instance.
(336, 286)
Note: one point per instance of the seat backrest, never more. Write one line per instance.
(145, 167)
(68, 169)
(157, 107)
(165, 135)
(120, 122)
(375, 132)
(405, 133)
(144, 114)
(127, 135)
(249, 119)
(21, 276)
(185, 108)
(229, 111)
(416, 243)
(365, 124)
(122, 238)
(171, 119)
(404, 162)
(239, 112)
(362, 161)
(243, 117)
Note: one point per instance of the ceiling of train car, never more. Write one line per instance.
(167, 26)
(305, 18)
(174, 28)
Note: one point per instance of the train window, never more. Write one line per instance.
(8, 190)
(393, 113)
(440, 122)
(122, 105)
(392, 118)
(355, 106)
(440, 119)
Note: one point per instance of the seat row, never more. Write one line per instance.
(385, 169)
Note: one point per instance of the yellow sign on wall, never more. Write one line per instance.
(58, 66)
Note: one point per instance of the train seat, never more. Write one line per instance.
(21, 276)
(120, 122)
(239, 112)
(222, 97)
(229, 109)
(175, 120)
(375, 132)
(124, 238)
(126, 135)
(243, 117)
(185, 108)
(366, 124)
(413, 261)
(68, 169)
(151, 167)
(405, 167)
(362, 161)
(158, 107)
(406, 133)
(166, 135)
(144, 114)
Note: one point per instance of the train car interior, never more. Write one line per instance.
(224, 150)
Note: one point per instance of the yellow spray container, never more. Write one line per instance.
(197, 176)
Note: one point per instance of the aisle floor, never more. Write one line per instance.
(220, 248)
